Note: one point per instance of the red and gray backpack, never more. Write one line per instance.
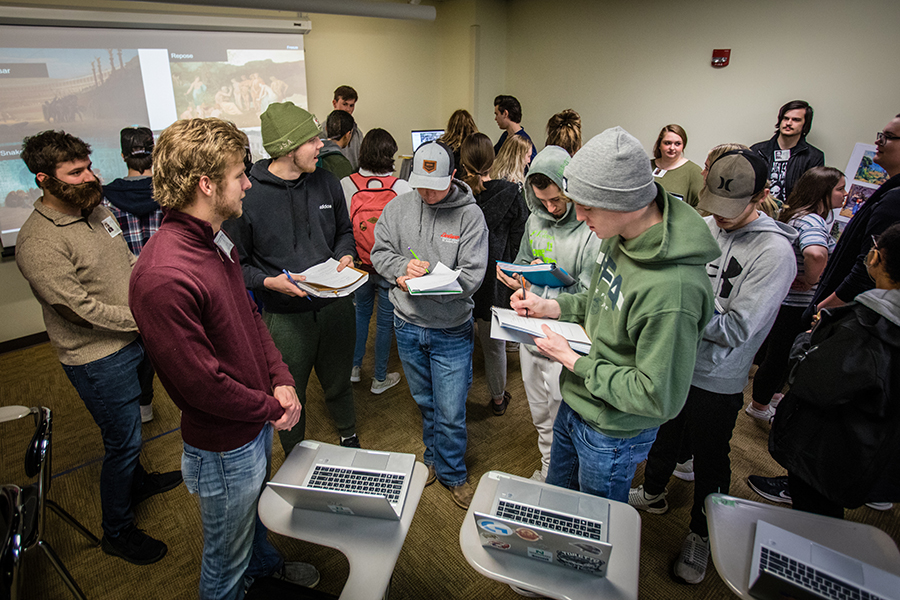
(366, 204)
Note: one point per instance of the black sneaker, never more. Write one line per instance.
(155, 483)
(774, 489)
(135, 546)
(351, 442)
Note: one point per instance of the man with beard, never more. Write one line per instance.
(213, 353)
(73, 255)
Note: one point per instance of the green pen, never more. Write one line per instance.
(416, 257)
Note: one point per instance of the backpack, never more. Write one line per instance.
(366, 206)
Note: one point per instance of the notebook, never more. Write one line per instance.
(786, 565)
(548, 524)
(348, 481)
(420, 136)
(545, 274)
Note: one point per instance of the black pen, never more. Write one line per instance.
(522, 281)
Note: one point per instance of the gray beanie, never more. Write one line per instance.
(611, 171)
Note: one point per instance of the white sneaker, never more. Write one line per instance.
(538, 476)
(146, 413)
(763, 415)
(685, 470)
(775, 400)
(690, 566)
(354, 375)
(880, 505)
(655, 505)
(390, 381)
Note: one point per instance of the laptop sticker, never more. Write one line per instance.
(579, 562)
(499, 545)
(492, 526)
(542, 555)
(527, 534)
(587, 548)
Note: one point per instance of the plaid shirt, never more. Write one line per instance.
(137, 230)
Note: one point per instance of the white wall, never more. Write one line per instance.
(645, 63)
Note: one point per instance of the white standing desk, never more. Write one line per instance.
(370, 545)
(732, 529)
(620, 583)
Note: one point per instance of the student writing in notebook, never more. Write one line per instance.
(645, 310)
(440, 222)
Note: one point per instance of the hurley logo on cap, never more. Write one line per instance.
(725, 184)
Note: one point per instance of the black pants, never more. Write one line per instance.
(773, 368)
(806, 498)
(707, 421)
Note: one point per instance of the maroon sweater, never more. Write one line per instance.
(206, 340)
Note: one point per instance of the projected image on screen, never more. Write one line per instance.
(92, 83)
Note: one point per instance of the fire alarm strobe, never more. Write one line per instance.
(720, 57)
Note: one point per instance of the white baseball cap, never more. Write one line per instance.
(433, 167)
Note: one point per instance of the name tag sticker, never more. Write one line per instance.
(657, 172)
(111, 226)
(224, 243)
(782, 155)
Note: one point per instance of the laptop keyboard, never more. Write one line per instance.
(809, 578)
(361, 482)
(538, 517)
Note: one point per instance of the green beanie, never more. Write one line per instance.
(285, 126)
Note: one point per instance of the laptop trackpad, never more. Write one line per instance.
(842, 566)
(371, 460)
(560, 502)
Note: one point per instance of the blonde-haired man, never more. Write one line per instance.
(213, 353)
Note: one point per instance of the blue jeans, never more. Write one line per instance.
(111, 389)
(384, 325)
(584, 459)
(228, 485)
(438, 368)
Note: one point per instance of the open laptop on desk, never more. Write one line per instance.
(548, 524)
(349, 481)
(786, 565)
(420, 136)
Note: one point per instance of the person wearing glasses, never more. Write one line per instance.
(845, 275)
(837, 431)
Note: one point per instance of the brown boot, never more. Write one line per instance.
(432, 476)
(462, 494)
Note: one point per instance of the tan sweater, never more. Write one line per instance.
(79, 274)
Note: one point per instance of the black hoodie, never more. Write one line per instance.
(290, 225)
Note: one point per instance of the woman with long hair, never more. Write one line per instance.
(372, 187)
(564, 130)
(505, 213)
(512, 160)
(460, 126)
(672, 170)
(809, 211)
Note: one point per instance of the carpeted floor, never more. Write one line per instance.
(430, 565)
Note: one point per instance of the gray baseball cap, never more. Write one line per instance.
(732, 182)
(433, 167)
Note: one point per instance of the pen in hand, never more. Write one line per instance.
(292, 280)
(522, 281)
(417, 258)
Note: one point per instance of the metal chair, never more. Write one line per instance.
(30, 502)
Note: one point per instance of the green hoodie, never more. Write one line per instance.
(645, 311)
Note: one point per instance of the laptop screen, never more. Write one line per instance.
(420, 136)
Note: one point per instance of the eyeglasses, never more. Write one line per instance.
(885, 136)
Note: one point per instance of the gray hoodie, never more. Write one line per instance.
(750, 279)
(453, 232)
(563, 240)
(885, 302)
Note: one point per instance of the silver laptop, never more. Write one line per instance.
(347, 481)
(548, 524)
(786, 565)
(420, 136)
